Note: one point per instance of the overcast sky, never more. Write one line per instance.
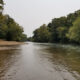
(33, 13)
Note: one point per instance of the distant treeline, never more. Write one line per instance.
(65, 29)
(9, 29)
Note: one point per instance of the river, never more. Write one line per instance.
(40, 61)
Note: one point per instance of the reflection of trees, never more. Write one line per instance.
(7, 59)
(67, 57)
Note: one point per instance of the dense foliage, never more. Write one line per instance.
(60, 30)
(9, 29)
(74, 31)
(42, 34)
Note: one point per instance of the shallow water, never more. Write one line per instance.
(36, 61)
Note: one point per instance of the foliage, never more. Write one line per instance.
(1, 6)
(9, 29)
(30, 39)
(41, 34)
(60, 30)
(23, 37)
(74, 31)
(62, 34)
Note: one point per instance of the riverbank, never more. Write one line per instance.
(9, 43)
(5, 45)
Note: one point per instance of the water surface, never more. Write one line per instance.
(36, 61)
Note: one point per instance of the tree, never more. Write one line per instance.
(41, 34)
(9, 29)
(3, 31)
(14, 32)
(3, 27)
(1, 6)
(59, 27)
(74, 31)
(53, 28)
(62, 34)
(23, 37)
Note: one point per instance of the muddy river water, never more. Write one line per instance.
(40, 61)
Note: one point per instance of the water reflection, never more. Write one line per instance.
(68, 56)
(36, 61)
(7, 60)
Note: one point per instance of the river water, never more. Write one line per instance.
(40, 61)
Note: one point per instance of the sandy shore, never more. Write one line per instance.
(5, 45)
(9, 43)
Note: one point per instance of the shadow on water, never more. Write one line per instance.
(8, 58)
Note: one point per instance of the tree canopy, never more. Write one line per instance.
(9, 29)
(1, 6)
(74, 31)
(65, 29)
(41, 34)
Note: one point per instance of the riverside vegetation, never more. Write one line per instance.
(9, 29)
(65, 29)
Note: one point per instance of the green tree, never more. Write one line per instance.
(3, 31)
(1, 6)
(74, 31)
(62, 34)
(56, 23)
(14, 32)
(9, 29)
(60, 29)
(23, 37)
(41, 34)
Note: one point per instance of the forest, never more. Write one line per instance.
(65, 29)
(10, 30)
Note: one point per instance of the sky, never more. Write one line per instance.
(31, 14)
